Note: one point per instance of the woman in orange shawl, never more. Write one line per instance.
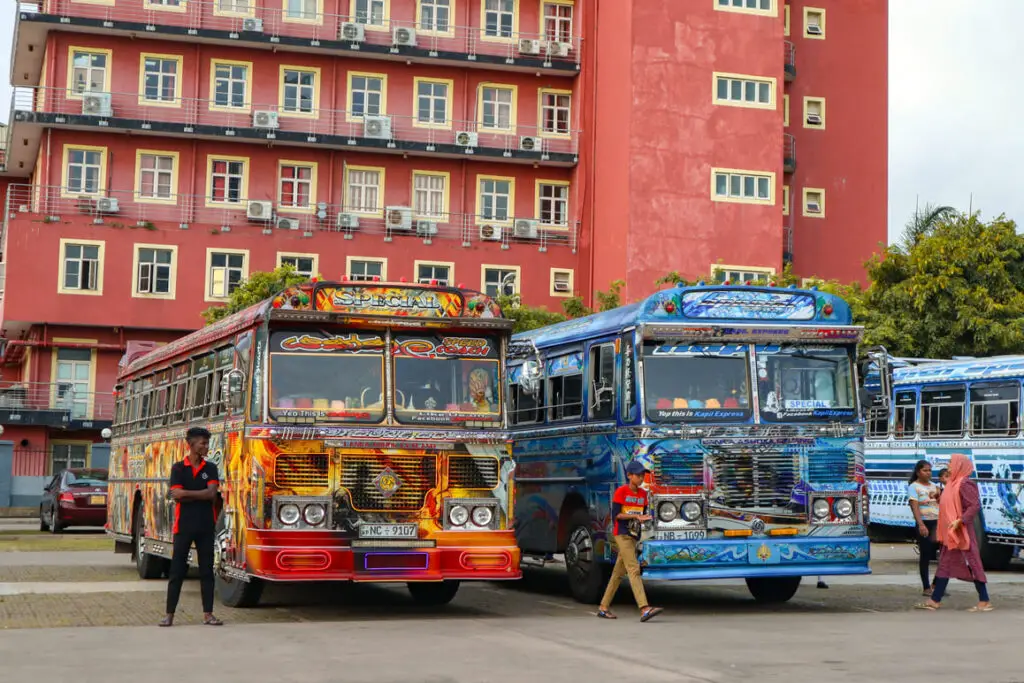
(960, 559)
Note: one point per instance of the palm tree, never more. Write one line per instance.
(922, 223)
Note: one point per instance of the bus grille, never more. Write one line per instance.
(745, 479)
(472, 472)
(298, 470)
(831, 467)
(679, 469)
(416, 475)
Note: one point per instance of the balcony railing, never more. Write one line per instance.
(790, 61)
(283, 25)
(53, 404)
(788, 153)
(395, 220)
(264, 121)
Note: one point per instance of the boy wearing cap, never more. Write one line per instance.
(628, 504)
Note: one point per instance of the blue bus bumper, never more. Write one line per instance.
(749, 557)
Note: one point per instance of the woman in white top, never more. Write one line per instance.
(924, 503)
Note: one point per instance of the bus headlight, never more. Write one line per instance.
(820, 508)
(843, 508)
(288, 514)
(667, 512)
(314, 514)
(691, 511)
(458, 515)
(482, 515)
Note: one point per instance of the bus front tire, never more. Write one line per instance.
(433, 594)
(232, 592)
(995, 557)
(773, 590)
(148, 566)
(588, 575)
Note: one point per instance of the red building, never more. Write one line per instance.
(161, 150)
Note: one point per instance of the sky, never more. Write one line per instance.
(954, 108)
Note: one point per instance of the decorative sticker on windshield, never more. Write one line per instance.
(746, 305)
(445, 347)
(397, 301)
(318, 341)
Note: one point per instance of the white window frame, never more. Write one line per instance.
(352, 261)
(493, 275)
(294, 258)
(152, 270)
(94, 285)
(157, 173)
(447, 281)
(431, 196)
(554, 108)
(86, 166)
(557, 28)
(738, 186)
(213, 293)
(304, 13)
(161, 77)
(743, 7)
(432, 26)
(231, 81)
(553, 200)
(366, 8)
(356, 184)
(88, 70)
(745, 273)
(494, 195)
(497, 10)
(432, 99)
(297, 182)
(497, 106)
(743, 83)
(368, 94)
(300, 89)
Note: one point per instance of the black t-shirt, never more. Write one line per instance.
(193, 515)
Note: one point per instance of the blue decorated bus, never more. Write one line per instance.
(929, 409)
(742, 403)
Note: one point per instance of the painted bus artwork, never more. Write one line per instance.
(742, 404)
(924, 409)
(359, 433)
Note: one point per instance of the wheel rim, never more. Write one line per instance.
(140, 542)
(220, 552)
(579, 554)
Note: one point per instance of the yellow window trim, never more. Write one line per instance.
(214, 63)
(808, 11)
(318, 20)
(217, 12)
(513, 116)
(383, 261)
(315, 70)
(498, 39)
(445, 212)
(243, 192)
(72, 49)
(536, 203)
(173, 199)
(744, 77)
(757, 270)
(386, 27)
(511, 200)
(447, 125)
(541, 92)
(824, 120)
(72, 442)
(808, 282)
(450, 33)
(180, 59)
(379, 213)
(572, 283)
(173, 248)
(785, 200)
(297, 254)
(101, 187)
(807, 191)
(743, 200)
(450, 265)
(281, 208)
(210, 251)
(785, 21)
(785, 111)
(773, 12)
(92, 382)
(349, 116)
(183, 7)
(101, 267)
(484, 267)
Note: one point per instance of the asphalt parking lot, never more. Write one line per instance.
(71, 594)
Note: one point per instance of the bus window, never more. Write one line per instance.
(805, 382)
(225, 361)
(202, 382)
(878, 417)
(564, 396)
(525, 407)
(695, 381)
(179, 391)
(160, 408)
(628, 379)
(995, 409)
(942, 412)
(602, 382)
(145, 402)
(906, 414)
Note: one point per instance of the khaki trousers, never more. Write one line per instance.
(626, 564)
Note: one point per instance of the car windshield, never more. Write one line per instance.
(326, 376)
(694, 382)
(797, 383)
(87, 478)
(446, 379)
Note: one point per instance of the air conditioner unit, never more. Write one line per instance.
(259, 210)
(814, 119)
(529, 46)
(557, 49)
(288, 223)
(490, 233)
(264, 119)
(398, 217)
(377, 127)
(348, 221)
(97, 104)
(426, 228)
(352, 32)
(529, 143)
(561, 285)
(403, 36)
(813, 207)
(107, 205)
(465, 138)
(525, 229)
(252, 24)
(814, 29)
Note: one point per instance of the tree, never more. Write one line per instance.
(258, 287)
(923, 223)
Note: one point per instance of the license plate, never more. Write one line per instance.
(388, 530)
(691, 535)
(97, 500)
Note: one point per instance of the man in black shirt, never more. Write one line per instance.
(193, 484)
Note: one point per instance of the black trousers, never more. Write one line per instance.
(926, 545)
(183, 541)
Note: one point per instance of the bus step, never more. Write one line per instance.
(536, 560)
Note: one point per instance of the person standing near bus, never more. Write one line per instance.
(629, 505)
(193, 483)
(923, 495)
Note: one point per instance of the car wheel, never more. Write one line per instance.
(55, 526)
(43, 525)
(433, 594)
(588, 574)
(773, 590)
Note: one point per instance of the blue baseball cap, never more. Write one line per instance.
(635, 467)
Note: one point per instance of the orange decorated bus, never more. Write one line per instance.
(359, 433)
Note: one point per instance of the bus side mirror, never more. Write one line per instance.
(233, 388)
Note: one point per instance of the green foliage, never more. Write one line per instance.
(527, 317)
(258, 287)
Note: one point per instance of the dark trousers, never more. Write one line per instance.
(183, 541)
(926, 545)
(942, 582)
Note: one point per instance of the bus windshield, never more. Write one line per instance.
(446, 379)
(326, 376)
(799, 383)
(685, 381)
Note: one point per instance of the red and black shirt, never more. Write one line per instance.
(193, 515)
(630, 502)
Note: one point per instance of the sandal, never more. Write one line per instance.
(167, 621)
(212, 621)
(927, 592)
(605, 614)
(986, 608)
(931, 607)
(650, 613)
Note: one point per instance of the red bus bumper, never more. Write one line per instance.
(324, 556)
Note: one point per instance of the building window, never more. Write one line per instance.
(555, 110)
(227, 270)
(785, 21)
(785, 200)
(436, 16)
(499, 18)
(82, 264)
(740, 274)
(785, 111)
(161, 4)
(231, 85)
(432, 103)
(814, 112)
(742, 186)
(553, 203)
(430, 194)
(366, 95)
(497, 107)
(500, 280)
(365, 270)
(744, 91)
(301, 265)
(561, 282)
(153, 274)
(302, 10)
(496, 199)
(227, 180)
(814, 202)
(814, 23)
(364, 188)
(298, 90)
(234, 7)
(296, 182)
(429, 272)
(74, 375)
(89, 71)
(748, 6)
(157, 175)
(160, 79)
(68, 455)
(84, 170)
(370, 12)
(558, 22)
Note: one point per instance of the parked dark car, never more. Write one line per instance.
(74, 497)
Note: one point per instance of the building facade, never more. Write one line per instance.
(159, 151)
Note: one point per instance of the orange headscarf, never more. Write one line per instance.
(950, 509)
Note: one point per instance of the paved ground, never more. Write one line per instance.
(861, 628)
